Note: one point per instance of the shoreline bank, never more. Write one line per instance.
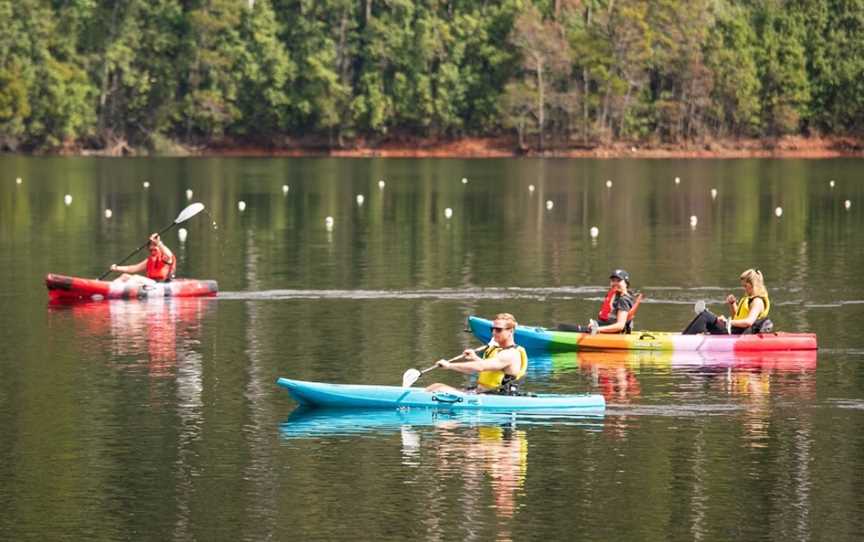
(787, 147)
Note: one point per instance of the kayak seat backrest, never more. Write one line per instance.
(628, 328)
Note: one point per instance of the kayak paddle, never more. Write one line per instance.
(184, 215)
(412, 375)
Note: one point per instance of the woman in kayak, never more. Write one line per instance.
(159, 265)
(748, 314)
(614, 316)
(502, 366)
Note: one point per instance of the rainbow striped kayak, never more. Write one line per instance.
(541, 339)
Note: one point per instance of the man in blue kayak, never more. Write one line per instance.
(502, 365)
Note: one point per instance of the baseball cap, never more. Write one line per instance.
(620, 274)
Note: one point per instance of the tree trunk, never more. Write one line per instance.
(541, 106)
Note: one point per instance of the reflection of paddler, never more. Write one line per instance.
(506, 452)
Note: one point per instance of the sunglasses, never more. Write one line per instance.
(499, 329)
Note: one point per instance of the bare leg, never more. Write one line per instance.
(442, 387)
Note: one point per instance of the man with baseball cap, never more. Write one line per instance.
(614, 315)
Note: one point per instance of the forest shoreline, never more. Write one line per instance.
(785, 147)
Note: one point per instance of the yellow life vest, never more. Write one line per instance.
(492, 380)
(744, 307)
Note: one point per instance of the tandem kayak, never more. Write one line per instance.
(542, 339)
(317, 394)
(63, 288)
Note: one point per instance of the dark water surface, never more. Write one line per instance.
(161, 420)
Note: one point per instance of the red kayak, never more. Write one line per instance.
(61, 287)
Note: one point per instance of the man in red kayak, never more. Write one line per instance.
(616, 311)
(159, 265)
(502, 366)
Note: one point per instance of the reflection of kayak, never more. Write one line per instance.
(61, 287)
(305, 422)
(542, 339)
(360, 396)
(785, 360)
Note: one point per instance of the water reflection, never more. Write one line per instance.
(460, 448)
(159, 332)
(617, 375)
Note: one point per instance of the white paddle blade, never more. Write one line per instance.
(189, 212)
(699, 307)
(410, 377)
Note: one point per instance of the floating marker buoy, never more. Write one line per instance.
(713, 193)
(188, 193)
(694, 220)
(531, 188)
(831, 183)
(448, 212)
(285, 189)
(464, 180)
(181, 234)
(146, 184)
(241, 205)
(108, 213)
(847, 204)
(609, 184)
(328, 222)
(360, 199)
(595, 231)
(18, 180)
(381, 185)
(67, 199)
(549, 204)
(778, 211)
(677, 180)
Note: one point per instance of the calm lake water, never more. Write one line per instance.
(161, 420)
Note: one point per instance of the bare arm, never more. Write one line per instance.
(499, 362)
(755, 309)
(618, 326)
(135, 268)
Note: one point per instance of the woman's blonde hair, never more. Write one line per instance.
(508, 317)
(754, 278)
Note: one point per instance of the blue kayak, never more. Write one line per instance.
(317, 394)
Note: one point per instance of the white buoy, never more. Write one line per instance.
(595, 231)
(67, 199)
(241, 206)
(549, 204)
(360, 199)
(285, 189)
(464, 180)
(146, 184)
(713, 193)
(831, 183)
(778, 211)
(328, 222)
(531, 188)
(188, 193)
(448, 213)
(694, 220)
(608, 184)
(18, 180)
(181, 234)
(381, 185)
(108, 213)
(677, 180)
(847, 204)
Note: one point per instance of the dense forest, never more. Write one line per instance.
(155, 74)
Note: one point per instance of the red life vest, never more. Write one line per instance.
(606, 307)
(158, 268)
